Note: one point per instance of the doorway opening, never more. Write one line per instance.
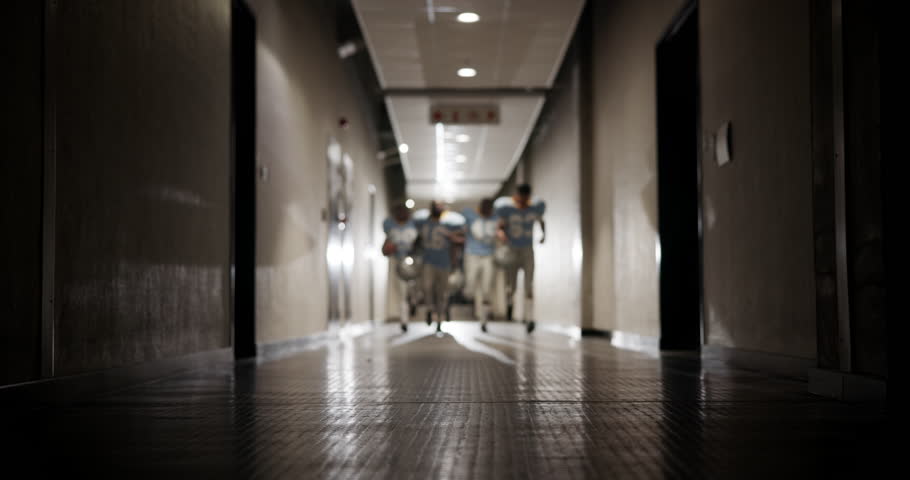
(679, 184)
(243, 181)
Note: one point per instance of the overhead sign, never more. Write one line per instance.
(464, 114)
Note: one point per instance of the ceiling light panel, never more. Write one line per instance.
(489, 154)
(515, 44)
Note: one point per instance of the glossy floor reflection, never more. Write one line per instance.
(461, 405)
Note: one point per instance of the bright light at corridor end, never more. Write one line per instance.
(409, 203)
(403, 148)
(468, 17)
(466, 72)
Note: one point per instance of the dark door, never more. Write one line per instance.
(679, 174)
(243, 60)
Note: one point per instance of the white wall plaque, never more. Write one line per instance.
(722, 145)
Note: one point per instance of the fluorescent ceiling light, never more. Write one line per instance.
(461, 158)
(440, 151)
(462, 138)
(468, 17)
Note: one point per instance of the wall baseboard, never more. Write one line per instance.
(71, 388)
(282, 348)
(626, 341)
(635, 342)
(594, 332)
(560, 329)
(776, 364)
(848, 387)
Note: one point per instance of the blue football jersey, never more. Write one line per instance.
(519, 222)
(400, 234)
(481, 232)
(434, 237)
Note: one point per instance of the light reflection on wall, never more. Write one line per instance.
(340, 253)
(577, 253)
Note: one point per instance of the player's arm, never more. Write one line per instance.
(418, 242)
(501, 231)
(388, 248)
(457, 236)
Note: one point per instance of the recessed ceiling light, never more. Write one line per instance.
(403, 148)
(466, 72)
(461, 159)
(409, 203)
(468, 17)
(462, 138)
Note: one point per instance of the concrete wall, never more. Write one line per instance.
(303, 90)
(758, 248)
(552, 162)
(21, 192)
(624, 282)
(143, 165)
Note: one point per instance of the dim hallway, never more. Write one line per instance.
(662, 230)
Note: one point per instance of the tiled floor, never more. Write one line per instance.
(461, 405)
